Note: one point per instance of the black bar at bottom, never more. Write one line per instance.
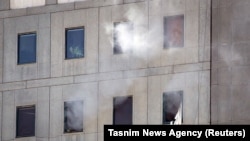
(177, 132)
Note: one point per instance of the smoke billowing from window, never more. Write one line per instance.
(73, 116)
(172, 107)
(133, 34)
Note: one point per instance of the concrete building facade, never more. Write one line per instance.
(230, 62)
(145, 73)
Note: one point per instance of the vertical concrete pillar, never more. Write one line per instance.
(1, 50)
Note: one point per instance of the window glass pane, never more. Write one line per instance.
(25, 121)
(73, 116)
(122, 37)
(122, 113)
(174, 31)
(26, 48)
(172, 107)
(74, 43)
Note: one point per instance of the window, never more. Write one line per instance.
(73, 116)
(74, 43)
(122, 37)
(15, 4)
(25, 121)
(172, 107)
(122, 112)
(174, 31)
(26, 48)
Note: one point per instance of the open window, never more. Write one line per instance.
(122, 37)
(73, 116)
(25, 121)
(172, 107)
(123, 108)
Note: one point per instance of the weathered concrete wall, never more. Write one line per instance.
(4, 5)
(60, 21)
(230, 62)
(14, 26)
(145, 74)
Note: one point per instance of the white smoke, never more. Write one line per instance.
(138, 39)
(123, 33)
(142, 42)
(73, 116)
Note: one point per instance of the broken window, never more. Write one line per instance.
(74, 43)
(122, 37)
(174, 31)
(73, 116)
(122, 112)
(25, 121)
(172, 107)
(26, 48)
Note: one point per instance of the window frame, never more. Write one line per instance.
(18, 108)
(164, 122)
(114, 109)
(64, 113)
(18, 47)
(117, 45)
(182, 16)
(66, 42)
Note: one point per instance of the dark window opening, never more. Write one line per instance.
(172, 107)
(73, 116)
(122, 37)
(122, 111)
(26, 48)
(74, 43)
(174, 31)
(25, 121)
